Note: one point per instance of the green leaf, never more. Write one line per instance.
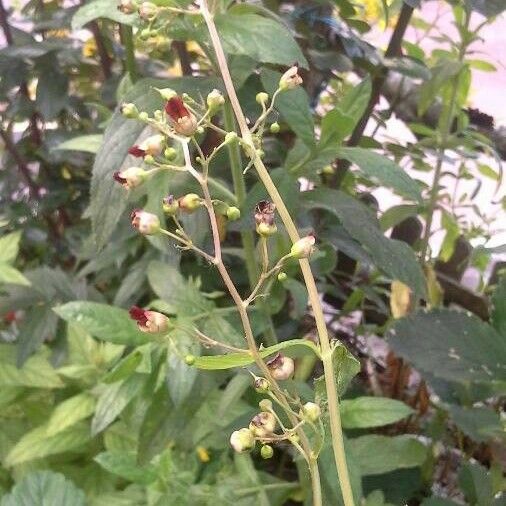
(383, 171)
(381, 454)
(108, 323)
(124, 368)
(488, 8)
(44, 488)
(9, 247)
(10, 275)
(293, 106)
(52, 89)
(125, 465)
(242, 359)
(479, 423)
(396, 214)
(498, 316)
(114, 399)
(37, 445)
(100, 9)
(363, 412)
(69, 412)
(260, 38)
(346, 367)
(396, 259)
(108, 199)
(86, 143)
(438, 501)
(476, 483)
(452, 345)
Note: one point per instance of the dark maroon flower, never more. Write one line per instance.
(139, 315)
(136, 151)
(149, 321)
(183, 121)
(118, 178)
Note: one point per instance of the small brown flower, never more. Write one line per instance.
(264, 218)
(281, 367)
(151, 322)
(182, 120)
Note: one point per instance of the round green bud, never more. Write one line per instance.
(158, 115)
(282, 276)
(170, 153)
(328, 170)
(233, 213)
(266, 452)
(312, 411)
(266, 230)
(167, 93)
(129, 111)
(262, 97)
(261, 386)
(189, 359)
(275, 128)
(149, 159)
(200, 130)
(143, 116)
(265, 404)
(145, 34)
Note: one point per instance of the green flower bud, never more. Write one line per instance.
(146, 223)
(170, 205)
(275, 128)
(145, 34)
(215, 100)
(189, 359)
(262, 98)
(158, 115)
(242, 440)
(149, 159)
(167, 93)
(266, 451)
(190, 202)
(312, 411)
(233, 213)
(265, 405)
(170, 153)
(129, 111)
(303, 247)
(143, 116)
(328, 170)
(282, 276)
(263, 424)
(264, 218)
(230, 137)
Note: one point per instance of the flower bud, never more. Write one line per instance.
(303, 247)
(143, 116)
(146, 223)
(190, 202)
(131, 177)
(215, 100)
(328, 170)
(170, 153)
(167, 93)
(233, 213)
(242, 440)
(312, 411)
(275, 128)
(262, 98)
(264, 218)
(230, 137)
(281, 367)
(145, 34)
(127, 6)
(129, 110)
(151, 322)
(170, 205)
(266, 451)
(148, 10)
(265, 405)
(181, 119)
(263, 424)
(282, 276)
(290, 79)
(261, 385)
(189, 359)
(149, 160)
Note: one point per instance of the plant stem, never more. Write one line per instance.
(128, 41)
(330, 381)
(247, 237)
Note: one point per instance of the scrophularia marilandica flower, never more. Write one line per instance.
(151, 322)
(263, 424)
(303, 247)
(242, 440)
(264, 218)
(290, 79)
(181, 119)
(170, 205)
(281, 367)
(189, 202)
(127, 6)
(146, 223)
(152, 146)
(131, 177)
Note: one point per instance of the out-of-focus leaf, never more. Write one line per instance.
(10, 275)
(87, 143)
(69, 412)
(476, 484)
(363, 412)
(498, 316)
(126, 466)
(479, 423)
(124, 368)
(488, 8)
(9, 247)
(44, 488)
(401, 301)
(100, 9)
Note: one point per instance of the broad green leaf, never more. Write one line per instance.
(9, 247)
(498, 316)
(100, 9)
(396, 214)
(108, 199)
(114, 399)
(363, 412)
(260, 38)
(242, 359)
(124, 368)
(452, 345)
(479, 423)
(44, 488)
(381, 454)
(383, 171)
(69, 412)
(126, 466)
(105, 322)
(37, 445)
(10, 275)
(346, 367)
(396, 259)
(293, 105)
(476, 483)
(86, 143)
(52, 89)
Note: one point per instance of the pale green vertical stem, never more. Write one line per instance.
(247, 237)
(128, 42)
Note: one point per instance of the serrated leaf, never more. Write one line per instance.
(126, 466)
(69, 412)
(363, 412)
(396, 259)
(381, 454)
(44, 488)
(232, 360)
(109, 323)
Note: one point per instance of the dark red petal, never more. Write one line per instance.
(138, 314)
(176, 109)
(136, 151)
(117, 177)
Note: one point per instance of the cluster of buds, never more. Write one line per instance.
(152, 146)
(290, 79)
(146, 223)
(151, 322)
(303, 248)
(264, 218)
(281, 367)
(262, 426)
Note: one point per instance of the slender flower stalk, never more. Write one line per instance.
(330, 381)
